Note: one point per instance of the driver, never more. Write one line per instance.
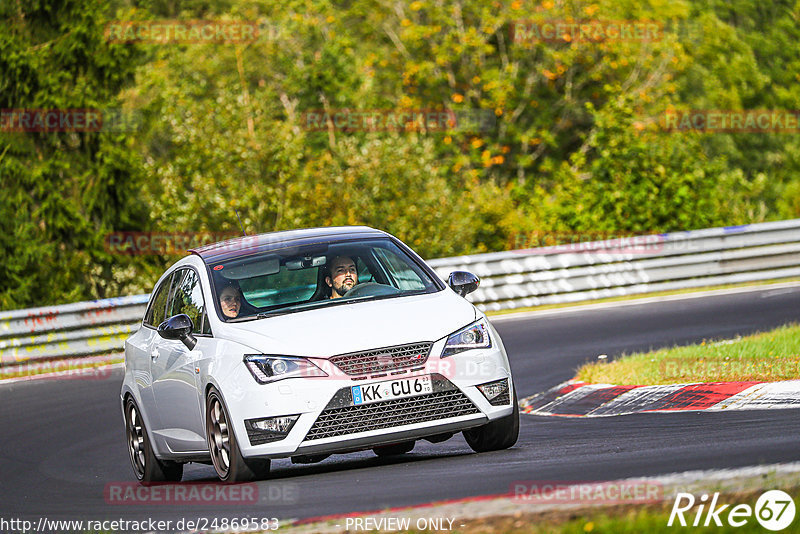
(342, 276)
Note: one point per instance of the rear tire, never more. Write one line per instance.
(228, 461)
(496, 435)
(395, 449)
(146, 466)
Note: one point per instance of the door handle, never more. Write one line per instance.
(153, 354)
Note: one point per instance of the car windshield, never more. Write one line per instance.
(292, 279)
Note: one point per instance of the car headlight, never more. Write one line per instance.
(474, 336)
(266, 369)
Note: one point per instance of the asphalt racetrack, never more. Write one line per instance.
(62, 443)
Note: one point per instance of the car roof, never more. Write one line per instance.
(260, 243)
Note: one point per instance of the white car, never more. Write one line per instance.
(305, 343)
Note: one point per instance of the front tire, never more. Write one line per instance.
(228, 461)
(496, 435)
(146, 466)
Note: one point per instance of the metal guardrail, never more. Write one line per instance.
(71, 330)
(628, 266)
(519, 278)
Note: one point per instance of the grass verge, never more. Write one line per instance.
(542, 514)
(768, 357)
(623, 519)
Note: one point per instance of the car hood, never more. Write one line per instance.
(353, 327)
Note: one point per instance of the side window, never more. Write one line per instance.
(405, 277)
(187, 297)
(157, 311)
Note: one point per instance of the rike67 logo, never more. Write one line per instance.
(774, 510)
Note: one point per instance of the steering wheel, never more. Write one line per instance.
(371, 289)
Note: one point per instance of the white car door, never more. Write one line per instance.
(143, 345)
(174, 370)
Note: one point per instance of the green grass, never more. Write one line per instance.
(626, 519)
(768, 356)
(650, 519)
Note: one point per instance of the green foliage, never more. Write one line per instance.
(62, 192)
(576, 145)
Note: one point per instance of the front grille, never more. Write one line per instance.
(365, 417)
(380, 360)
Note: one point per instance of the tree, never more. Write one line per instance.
(62, 191)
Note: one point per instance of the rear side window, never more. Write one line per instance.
(158, 306)
(186, 297)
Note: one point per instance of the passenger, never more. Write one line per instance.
(342, 276)
(230, 300)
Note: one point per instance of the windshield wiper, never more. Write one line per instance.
(264, 315)
(291, 309)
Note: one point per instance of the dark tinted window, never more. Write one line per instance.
(187, 297)
(294, 279)
(364, 274)
(279, 287)
(286, 285)
(158, 304)
(404, 274)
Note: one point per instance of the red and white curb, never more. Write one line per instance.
(580, 399)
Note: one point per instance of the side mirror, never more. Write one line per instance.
(463, 282)
(178, 327)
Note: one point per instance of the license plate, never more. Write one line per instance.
(392, 389)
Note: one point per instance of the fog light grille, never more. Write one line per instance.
(268, 429)
(496, 392)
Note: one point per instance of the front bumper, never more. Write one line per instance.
(329, 422)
